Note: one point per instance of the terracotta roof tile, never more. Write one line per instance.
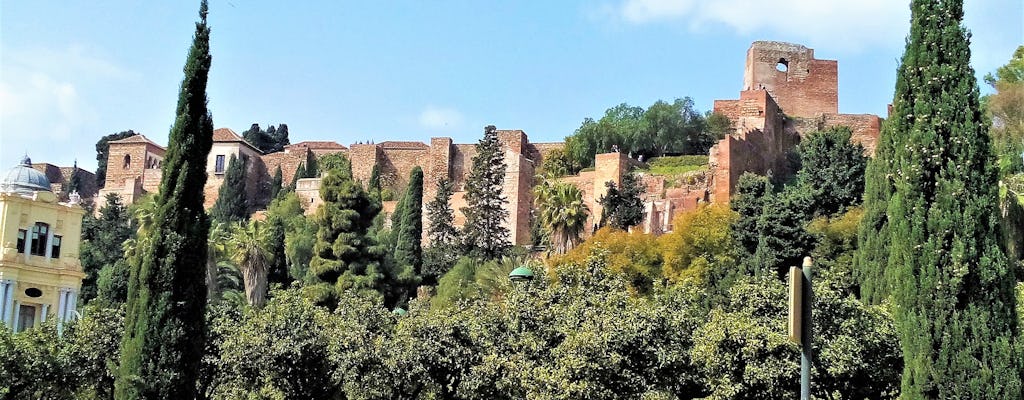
(228, 135)
(137, 139)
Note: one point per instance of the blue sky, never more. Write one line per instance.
(71, 72)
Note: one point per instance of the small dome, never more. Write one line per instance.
(22, 178)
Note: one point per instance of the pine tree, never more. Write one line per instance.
(344, 255)
(255, 136)
(276, 183)
(931, 198)
(441, 234)
(485, 233)
(231, 204)
(622, 206)
(165, 325)
(280, 139)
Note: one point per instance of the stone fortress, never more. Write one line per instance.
(786, 93)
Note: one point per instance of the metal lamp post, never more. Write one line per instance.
(801, 298)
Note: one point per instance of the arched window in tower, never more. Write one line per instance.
(127, 161)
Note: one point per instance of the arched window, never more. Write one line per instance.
(127, 161)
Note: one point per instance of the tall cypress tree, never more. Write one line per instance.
(164, 323)
(485, 233)
(300, 173)
(276, 183)
(231, 204)
(934, 177)
(409, 233)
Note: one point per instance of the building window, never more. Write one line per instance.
(127, 161)
(55, 247)
(22, 234)
(39, 233)
(26, 318)
(219, 165)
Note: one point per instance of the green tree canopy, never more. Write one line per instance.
(662, 128)
(102, 240)
(832, 168)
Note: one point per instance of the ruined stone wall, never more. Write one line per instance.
(363, 158)
(801, 85)
(397, 164)
(608, 167)
(760, 145)
(439, 166)
(865, 127)
(538, 152)
(288, 161)
(461, 164)
(517, 188)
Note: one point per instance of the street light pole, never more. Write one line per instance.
(806, 357)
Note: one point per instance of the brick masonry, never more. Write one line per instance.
(776, 107)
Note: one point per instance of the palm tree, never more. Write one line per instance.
(562, 213)
(217, 245)
(249, 250)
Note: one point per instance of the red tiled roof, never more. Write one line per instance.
(228, 135)
(309, 144)
(403, 145)
(137, 139)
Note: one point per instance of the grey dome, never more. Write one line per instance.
(22, 178)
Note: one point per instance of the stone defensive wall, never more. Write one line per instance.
(786, 94)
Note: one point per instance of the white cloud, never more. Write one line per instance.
(439, 118)
(46, 102)
(837, 24)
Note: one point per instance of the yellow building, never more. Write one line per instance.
(40, 274)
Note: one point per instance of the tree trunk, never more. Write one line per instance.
(254, 276)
